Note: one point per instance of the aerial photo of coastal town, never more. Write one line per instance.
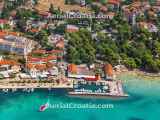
(79, 59)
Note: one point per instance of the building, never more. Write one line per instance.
(42, 63)
(81, 72)
(81, 2)
(108, 70)
(148, 26)
(3, 22)
(57, 41)
(113, 3)
(16, 44)
(8, 67)
(44, 55)
(41, 70)
(37, 60)
(110, 15)
(72, 28)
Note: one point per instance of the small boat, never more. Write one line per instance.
(5, 90)
(14, 90)
(28, 90)
(105, 87)
(25, 89)
(32, 89)
(49, 89)
(44, 107)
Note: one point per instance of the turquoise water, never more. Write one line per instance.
(143, 104)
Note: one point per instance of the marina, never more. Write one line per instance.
(126, 108)
(73, 86)
(98, 89)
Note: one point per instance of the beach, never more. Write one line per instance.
(138, 72)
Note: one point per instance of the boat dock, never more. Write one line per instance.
(105, 89)
(101, 88)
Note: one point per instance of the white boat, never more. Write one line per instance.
(14, 90)
(32, 89)
(49, 89)
(5, 90)
(105, 87)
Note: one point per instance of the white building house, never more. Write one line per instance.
(16, 44)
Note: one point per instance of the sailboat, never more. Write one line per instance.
(44, 107)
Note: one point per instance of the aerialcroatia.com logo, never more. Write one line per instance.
(75, 106)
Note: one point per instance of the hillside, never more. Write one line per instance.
(43, 5)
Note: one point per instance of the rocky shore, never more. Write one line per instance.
(139, 73)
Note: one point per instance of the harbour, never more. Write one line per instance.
(140, 93)
(98, 89)
(75, 88)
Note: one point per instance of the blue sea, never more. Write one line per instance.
(142, 104)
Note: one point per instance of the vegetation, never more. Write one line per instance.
(134, 48)
(11, 5)
(80, 47)
(42, 38)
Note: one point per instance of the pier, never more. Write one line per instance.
(105, 89)
(101, 88)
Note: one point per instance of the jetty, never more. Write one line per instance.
(104, 89)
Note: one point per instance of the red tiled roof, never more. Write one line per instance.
(72, 68)
(34, 30)
(108, 69)
(3, 21)
(30, 65)
(44, 59)
(60, 44)
(13, 33)
(56, 51)
(8, 62)
(111, 14)
(44, 13)
(97, 77)
(116, 2)
(72, 28)
(39, 66)
(39, 51)
(45, 52)
(103, 8)
(13, 13)
(4, 33)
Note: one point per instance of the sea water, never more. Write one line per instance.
(142, 104)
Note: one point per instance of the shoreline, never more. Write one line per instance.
(139, 73)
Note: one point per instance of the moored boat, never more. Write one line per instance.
(96, 94)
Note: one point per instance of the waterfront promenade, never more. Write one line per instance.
(32, 83)
(115, 86)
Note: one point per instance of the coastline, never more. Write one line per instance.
(138, 73)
